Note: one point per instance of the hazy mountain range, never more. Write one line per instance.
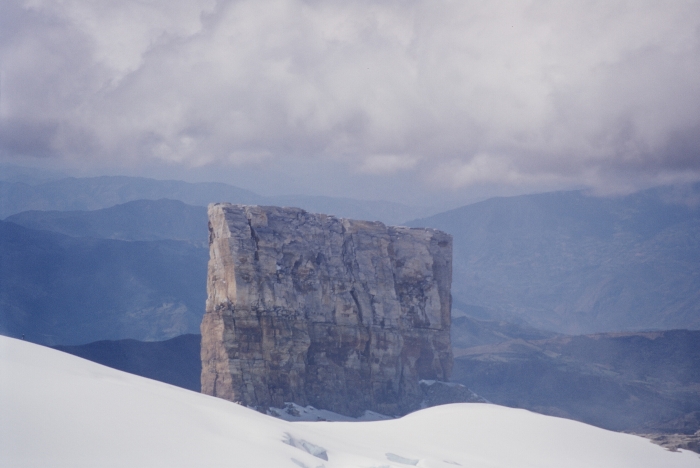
(573, 263)
(641, 382)
(140, 220)
(563, 262)
(56, 289)
(93, 193)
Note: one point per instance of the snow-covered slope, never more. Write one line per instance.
(57, 410)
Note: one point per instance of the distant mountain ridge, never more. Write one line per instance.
(563, 262)
(573, 263)
(93, 193)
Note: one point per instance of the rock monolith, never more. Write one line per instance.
(339, 314)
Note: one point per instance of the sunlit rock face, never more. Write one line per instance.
(335, 313)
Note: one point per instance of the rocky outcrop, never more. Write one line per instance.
(340, 314)
(673, 442)
(443, 393)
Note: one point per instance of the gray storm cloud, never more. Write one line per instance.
(604, 94)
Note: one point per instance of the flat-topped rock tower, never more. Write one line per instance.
(335, 313)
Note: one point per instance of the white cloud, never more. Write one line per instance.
(387, 163)
(596, 93)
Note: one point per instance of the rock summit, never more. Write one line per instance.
(339, 314)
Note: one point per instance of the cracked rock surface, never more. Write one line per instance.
(335, 313)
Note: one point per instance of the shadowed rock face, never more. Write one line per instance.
(340, 314)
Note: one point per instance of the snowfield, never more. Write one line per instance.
(57, 410)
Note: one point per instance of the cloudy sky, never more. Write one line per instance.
(406, 100)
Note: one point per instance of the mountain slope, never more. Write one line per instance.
(642, 382)
(175, 361)
(574, 264)
(467, 332)
(56, 289)
(142, 220)
(59, 410)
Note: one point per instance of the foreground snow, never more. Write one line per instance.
(57, 410)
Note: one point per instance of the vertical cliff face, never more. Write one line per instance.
(340, 314)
